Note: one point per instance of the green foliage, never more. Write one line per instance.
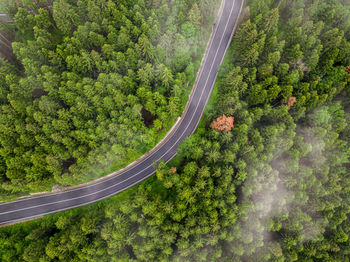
(97, 83)
(275, 188)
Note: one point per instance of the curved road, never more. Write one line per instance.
(31, 207)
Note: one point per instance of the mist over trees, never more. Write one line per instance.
(93, 85)
(274, 188)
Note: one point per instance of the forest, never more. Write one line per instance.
(93, 85)
(273, 186)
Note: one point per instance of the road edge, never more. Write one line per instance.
(158, 145)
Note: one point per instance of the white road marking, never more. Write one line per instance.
(228, 44)
(206, 82)
(105, 189)
(98, 183)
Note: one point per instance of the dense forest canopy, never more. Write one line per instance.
(93, 85)
(274, 188)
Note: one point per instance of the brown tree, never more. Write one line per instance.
(223, 123)
(291, 101)
(347, 69)
(172, 170)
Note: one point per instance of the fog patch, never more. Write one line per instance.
(272, 204)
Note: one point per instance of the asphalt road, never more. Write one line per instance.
(5, 18)
(31, 207)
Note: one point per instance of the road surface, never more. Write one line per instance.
(5, 18)
(32, 207)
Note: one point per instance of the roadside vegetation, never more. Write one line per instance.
(93, 85)
(276, 187)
